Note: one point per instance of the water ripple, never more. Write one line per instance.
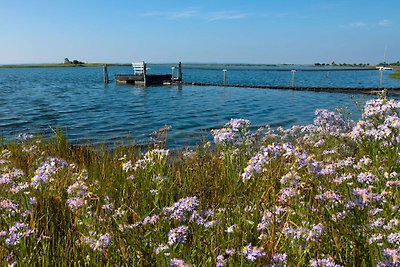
(39, 100)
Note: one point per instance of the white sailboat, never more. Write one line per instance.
(384, 61)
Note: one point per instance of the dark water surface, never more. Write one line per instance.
(38, 100)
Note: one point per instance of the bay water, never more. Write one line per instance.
(38, 100)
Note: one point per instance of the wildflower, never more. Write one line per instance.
(394, 238)
(127, 166)
(230, 252)
(46, 170)
(279, 260)
(75, 203)
(151, 219)
(394, 256)
(329, 195)
(328, 262)
(182, 209)
(221, 261)
(177, 235)
(234, 132)
(252, 252)
(154, 192)
(150, 158)
(189, 154)
(16, 233)
(177, 263)
(366, 178)
(25, 136)
(230, 228)
(331, 123)
(211, 224)
(97, 242)
(161, 248)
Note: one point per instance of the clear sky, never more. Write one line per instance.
(222, 31)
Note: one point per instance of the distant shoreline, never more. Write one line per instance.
(60, 65)
(63, 65)
(395, 75)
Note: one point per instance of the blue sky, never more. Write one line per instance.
(248, 31)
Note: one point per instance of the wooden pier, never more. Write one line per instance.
(352, 90)
(140, 76)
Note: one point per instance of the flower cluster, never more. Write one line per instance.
(177, 235)
(46, 170)
(252, 252)
(77, 192)
(380, 122)
(97, 242)
(150, 159)
(235, 132)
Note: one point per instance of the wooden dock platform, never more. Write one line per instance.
(140, 76)
(139, 79)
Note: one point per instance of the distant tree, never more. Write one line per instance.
(333, 63)
(66, 61)
(77, 62)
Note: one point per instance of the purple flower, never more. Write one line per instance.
(97, 242)
(177, 263)
(182, 209)
(177, 235)
(328, 262)
(280, 259)
(75, 203)
(221, 261)
(252, 253)
(47, 170)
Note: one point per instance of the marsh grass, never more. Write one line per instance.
(322, 195)
(395, 75)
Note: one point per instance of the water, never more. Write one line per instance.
(39, 100)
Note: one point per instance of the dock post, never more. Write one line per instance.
(180, 71)
(224, 70)
(105, 74)
(293, 75)
(144, 73)
(380, 77)
(173, 73)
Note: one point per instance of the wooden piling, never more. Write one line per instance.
(144, 73)
(224, 70)
(180, 71)
(105, 74)
(293, 76)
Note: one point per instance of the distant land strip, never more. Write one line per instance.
(62, 65)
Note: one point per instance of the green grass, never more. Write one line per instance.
(328, 192)
(395, 75)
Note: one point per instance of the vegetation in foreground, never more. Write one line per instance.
(325, 194)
